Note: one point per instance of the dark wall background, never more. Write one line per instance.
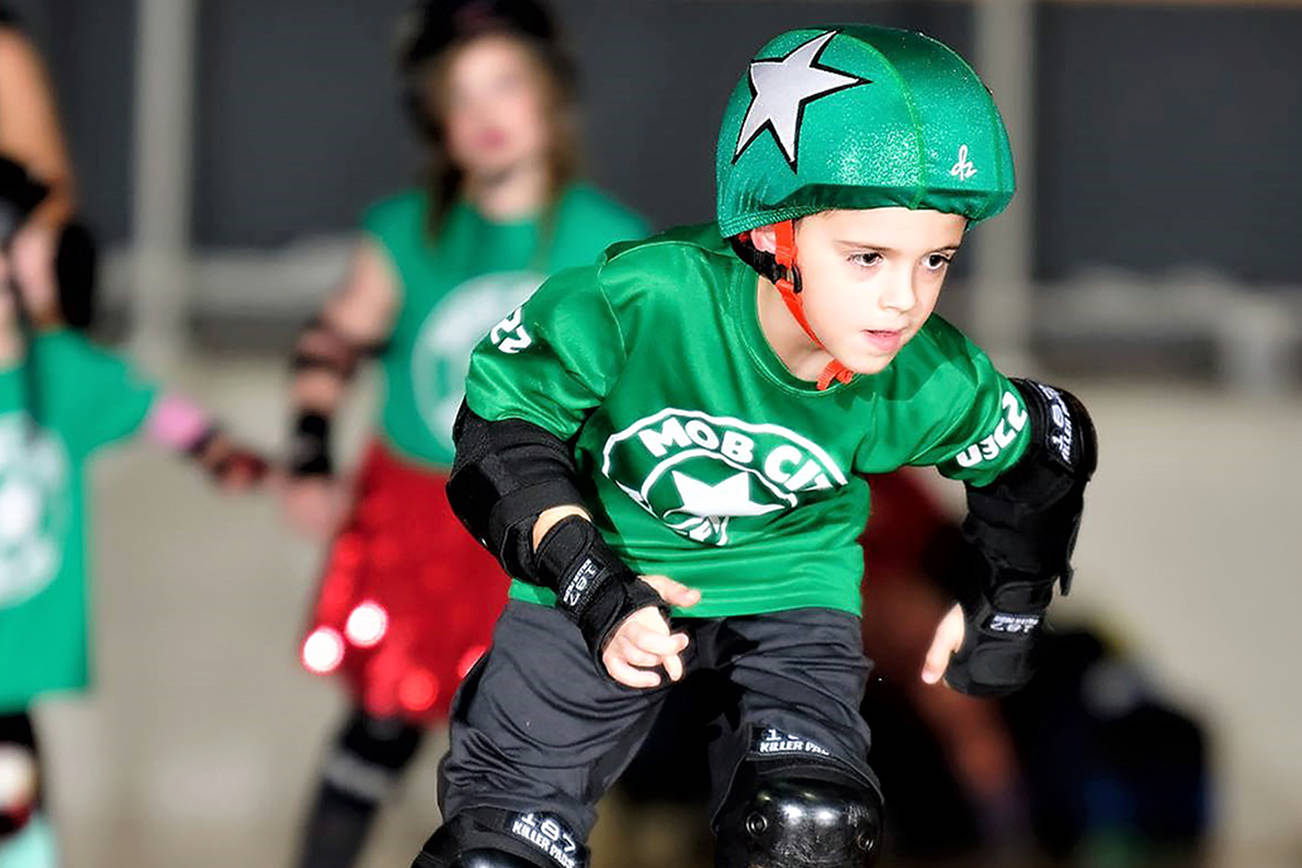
(1168, 136)
(1171, 136)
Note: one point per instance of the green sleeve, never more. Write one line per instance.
(99, 396)
(551, 361)
(986, 428)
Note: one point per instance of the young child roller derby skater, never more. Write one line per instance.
(664, 452)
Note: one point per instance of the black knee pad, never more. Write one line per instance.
(368, 756)
(794, 820)
(494, 838)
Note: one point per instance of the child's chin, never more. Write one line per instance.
(867, 365)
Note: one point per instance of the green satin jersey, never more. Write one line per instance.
(84, 398)
(454, 287)
(701, 457)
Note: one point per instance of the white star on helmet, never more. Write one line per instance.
(782, 87)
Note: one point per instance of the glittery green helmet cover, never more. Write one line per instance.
(859, 117)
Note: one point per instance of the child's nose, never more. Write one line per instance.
(899, 293)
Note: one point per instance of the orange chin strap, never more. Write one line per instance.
(789, 287)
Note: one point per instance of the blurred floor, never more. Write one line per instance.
(197, 747)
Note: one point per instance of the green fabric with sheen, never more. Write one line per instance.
(455, 287)
(88, 397)
(859, 117)
(701, 456)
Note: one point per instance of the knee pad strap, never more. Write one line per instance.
(495, 838)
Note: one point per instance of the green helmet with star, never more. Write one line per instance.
(859, 117)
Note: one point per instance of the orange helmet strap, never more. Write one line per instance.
(788, 285)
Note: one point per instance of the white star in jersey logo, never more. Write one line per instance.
(782, 87)
(731, 497)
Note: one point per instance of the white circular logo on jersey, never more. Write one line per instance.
(34, 508)
(441, 356)
(713, 479)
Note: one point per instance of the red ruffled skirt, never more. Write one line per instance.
(408, 599)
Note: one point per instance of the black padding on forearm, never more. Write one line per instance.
(1025, 522)
(505, 474)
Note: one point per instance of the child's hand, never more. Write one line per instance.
(234, 467)
(643, 641)
(948, 639)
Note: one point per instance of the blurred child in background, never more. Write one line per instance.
(61, 399)
(408, 599)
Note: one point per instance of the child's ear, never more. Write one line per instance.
(764, 239)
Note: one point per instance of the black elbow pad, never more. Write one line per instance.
(505, 474)
(1025, 522)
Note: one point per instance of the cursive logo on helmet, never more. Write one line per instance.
(714, 479)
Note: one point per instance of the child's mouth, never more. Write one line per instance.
(884, 340)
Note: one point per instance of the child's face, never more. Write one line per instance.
(871, 278)
(494, 104)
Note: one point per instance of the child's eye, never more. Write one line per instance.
(867, 260)
(938, 261)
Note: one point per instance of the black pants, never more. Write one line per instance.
(537, 728)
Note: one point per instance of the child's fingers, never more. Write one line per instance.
(655, 642)
(935, 664)
(948, 639)
(673, 666)
(628, 675)
(630, 653)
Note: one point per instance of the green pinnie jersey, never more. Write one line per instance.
(83, 398)
(454, 287)
(700, 456)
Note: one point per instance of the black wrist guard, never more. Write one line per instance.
(1001, 627)
(310, 446)
(594, 587)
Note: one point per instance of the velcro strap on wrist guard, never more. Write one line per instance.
(310, 447)
(594, 587)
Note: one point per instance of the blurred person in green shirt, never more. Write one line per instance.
(407, 599)
(62, 399)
